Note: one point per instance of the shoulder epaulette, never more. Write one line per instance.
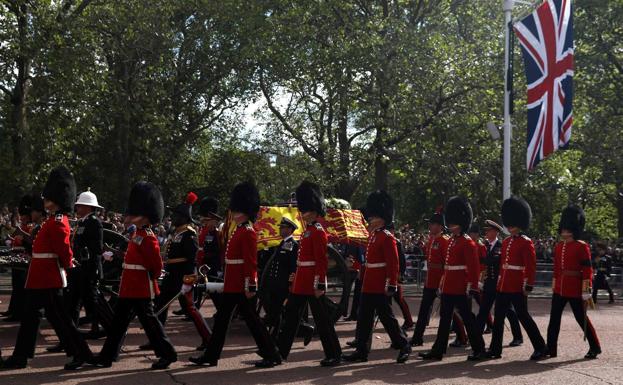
(249, 226)
(58, 217)
(527, 238)
(581, 241)
(149, 232)
(466, 236)
(318, 226)
(445, 236)
(191, 229)
(388, 233)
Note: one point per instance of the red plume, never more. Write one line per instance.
(191, 198)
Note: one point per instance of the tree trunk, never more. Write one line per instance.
(381, 172)
(19, 118)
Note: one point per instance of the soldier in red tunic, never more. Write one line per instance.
(142, 265)
(459, 282)
(240, 284)
(517, 274)
(51, 256)
(310, 280)
(435, 251)
(572, 281)
(380, 281)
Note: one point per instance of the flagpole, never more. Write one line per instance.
(506, 183)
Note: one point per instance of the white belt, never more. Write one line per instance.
(455, 267)
(44, 255)
(305, 263)
(506, 266)
(132, 266)
(234, 261)
(375, 265)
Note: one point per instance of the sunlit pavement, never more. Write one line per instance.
(302, 367)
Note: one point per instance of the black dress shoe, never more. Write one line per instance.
(592, 354)
(538, 355)
(329, 362)
(162, 363)
(356, 356)
(352, 344)
(487, 330)
(431, 356)
(267, 363)
(147, 346)
(492, 355)
(350, 318)
(55, 348)
(179, 312)
(477, 356)
(416, 342)
(203, 360)
(404, 354)
(515, 342)
(458, 344)
(14, 363)
(94, 334)
(74, 364)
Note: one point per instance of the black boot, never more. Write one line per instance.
(356, 356)
(163, 363)
(203, 360)
(592, 354)
(14, 363)
(515, 342)
(416, 342)
(56, 348)
(266, 363)
(328, 362)
(430, 355)
(404, 354)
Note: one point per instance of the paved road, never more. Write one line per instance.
(568, 368)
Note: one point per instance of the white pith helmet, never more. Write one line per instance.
(87, 198)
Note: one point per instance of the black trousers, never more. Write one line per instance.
(424, 314)
(486, 304)
(274, 307)
(579, 312)
(404, 306)
(503, 302)
(600, 283)
(354, 307)
(381, 305)
(295, 307)
(84, 291)
(222, 319)
(18, 281)
(125, 311)
(51, 300)
(461, 303)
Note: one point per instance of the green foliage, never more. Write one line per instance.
(356, 95)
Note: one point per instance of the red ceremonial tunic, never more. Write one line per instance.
(51, 255)
(517, 264)
(312, 261)
(241, 260)
(572, 265)
(142, 265)
(382, 266)
(435, 253)
(201, 240)
(461, 266)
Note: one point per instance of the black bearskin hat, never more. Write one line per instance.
(516, 212)
(209, 208)
(459, 212)
(25, 205)
(572, 219)
(61, 189)
(37, 203)
(245, 199)
(146, 200)
(309, 198)
(380, 204)
(438, 217)
(185, 210)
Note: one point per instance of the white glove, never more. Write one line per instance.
(186, 288)
(107, 256)
(586, 296)
(481, 285)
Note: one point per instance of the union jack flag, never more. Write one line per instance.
(546, 38)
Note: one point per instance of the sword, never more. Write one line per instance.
(166, 306)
